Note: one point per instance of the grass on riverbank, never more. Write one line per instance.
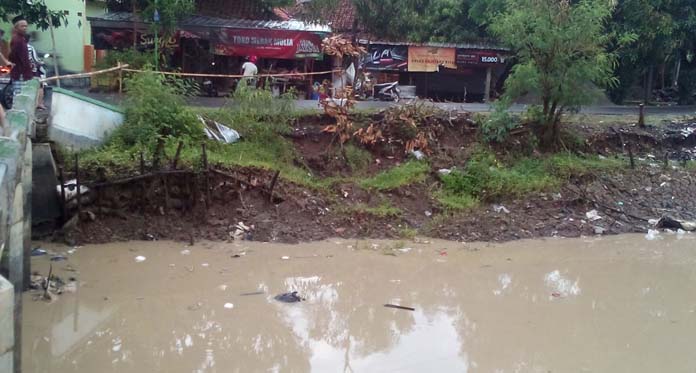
(485, 178)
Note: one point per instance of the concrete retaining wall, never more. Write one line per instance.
(81, 122)
(15, 221)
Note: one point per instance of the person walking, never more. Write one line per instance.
(19, 55)
(37, 68)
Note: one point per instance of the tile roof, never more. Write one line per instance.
(246, 9)
(198, 21)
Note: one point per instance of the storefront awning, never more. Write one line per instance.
(233, 37)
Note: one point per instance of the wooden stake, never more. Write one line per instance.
(142, 163)
(273, 184)
(77, 182)
(177, 155)
(48, 281)
(206, 174)
(63, 212)
(630, 156)
(641, 116)
(53, 49)
(142, 194)
(120, 78)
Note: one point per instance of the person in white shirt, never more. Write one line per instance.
(250, 70)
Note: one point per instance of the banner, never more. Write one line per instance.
(279, 44)
(386, 57)
(429, 59)
(477, 57)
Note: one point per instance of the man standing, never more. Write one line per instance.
(249, 71)
(19, 54)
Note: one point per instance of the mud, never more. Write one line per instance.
(179, 208)
(617, 304)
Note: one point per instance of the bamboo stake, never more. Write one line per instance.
(77, 182)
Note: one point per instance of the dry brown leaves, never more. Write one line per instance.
(339, 109)
(339, 45)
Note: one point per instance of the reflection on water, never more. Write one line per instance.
(616, 304)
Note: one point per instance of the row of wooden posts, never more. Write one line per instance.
(207, 170)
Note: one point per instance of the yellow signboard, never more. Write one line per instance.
(429, 59)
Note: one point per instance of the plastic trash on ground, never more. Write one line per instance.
(219, 132)
(419, 155)
(653, 234)
(592, 215)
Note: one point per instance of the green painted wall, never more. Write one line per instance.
(70, 38)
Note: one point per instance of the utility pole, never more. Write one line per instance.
(53, 46)
(156, 18)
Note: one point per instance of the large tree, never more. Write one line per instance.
(560, 50)
(36, 13)
(414, 20)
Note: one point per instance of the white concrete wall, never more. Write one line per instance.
(15, 223)
(6, 325)
(80, 122)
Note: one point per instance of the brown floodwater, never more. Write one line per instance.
(616, 304)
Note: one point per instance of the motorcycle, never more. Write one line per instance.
(6, 93)
(387, 92)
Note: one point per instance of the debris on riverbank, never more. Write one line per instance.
(376, 190)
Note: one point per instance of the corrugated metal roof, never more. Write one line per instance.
(481, 45)
(204, 21)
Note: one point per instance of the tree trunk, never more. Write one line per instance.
(159, 151)
(663, 67)
(648, 85)
(677, 69)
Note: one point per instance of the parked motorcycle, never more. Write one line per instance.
(387, 92)
(6, 92)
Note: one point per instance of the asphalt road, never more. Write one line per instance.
(214, 102)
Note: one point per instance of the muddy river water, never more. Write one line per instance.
(617, 304)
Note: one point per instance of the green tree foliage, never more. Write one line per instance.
(36, 13)
(170, 11)
(415, 20)
(664, 36)
(560, 49)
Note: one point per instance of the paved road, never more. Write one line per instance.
(212, 102)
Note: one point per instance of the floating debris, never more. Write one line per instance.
(399, 307)
(289, 297)
(38, 252)
(140, 259)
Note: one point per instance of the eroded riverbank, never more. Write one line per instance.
(619, 303)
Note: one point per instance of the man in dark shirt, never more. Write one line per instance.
(19, 54)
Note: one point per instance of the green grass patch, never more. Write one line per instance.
(385, 210)
(566, 165)
(455, 202)
(407, 233)
(404, 174)
(358, 159)
(485, 178)
(690, 165)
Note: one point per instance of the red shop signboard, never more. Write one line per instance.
(279, 44)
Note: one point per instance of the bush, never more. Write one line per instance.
(251, 105)
(496, 127)
(134, 58)
(154, 113)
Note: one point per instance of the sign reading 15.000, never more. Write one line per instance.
(489, 59)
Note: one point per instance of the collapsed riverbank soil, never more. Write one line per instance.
(182, 207)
